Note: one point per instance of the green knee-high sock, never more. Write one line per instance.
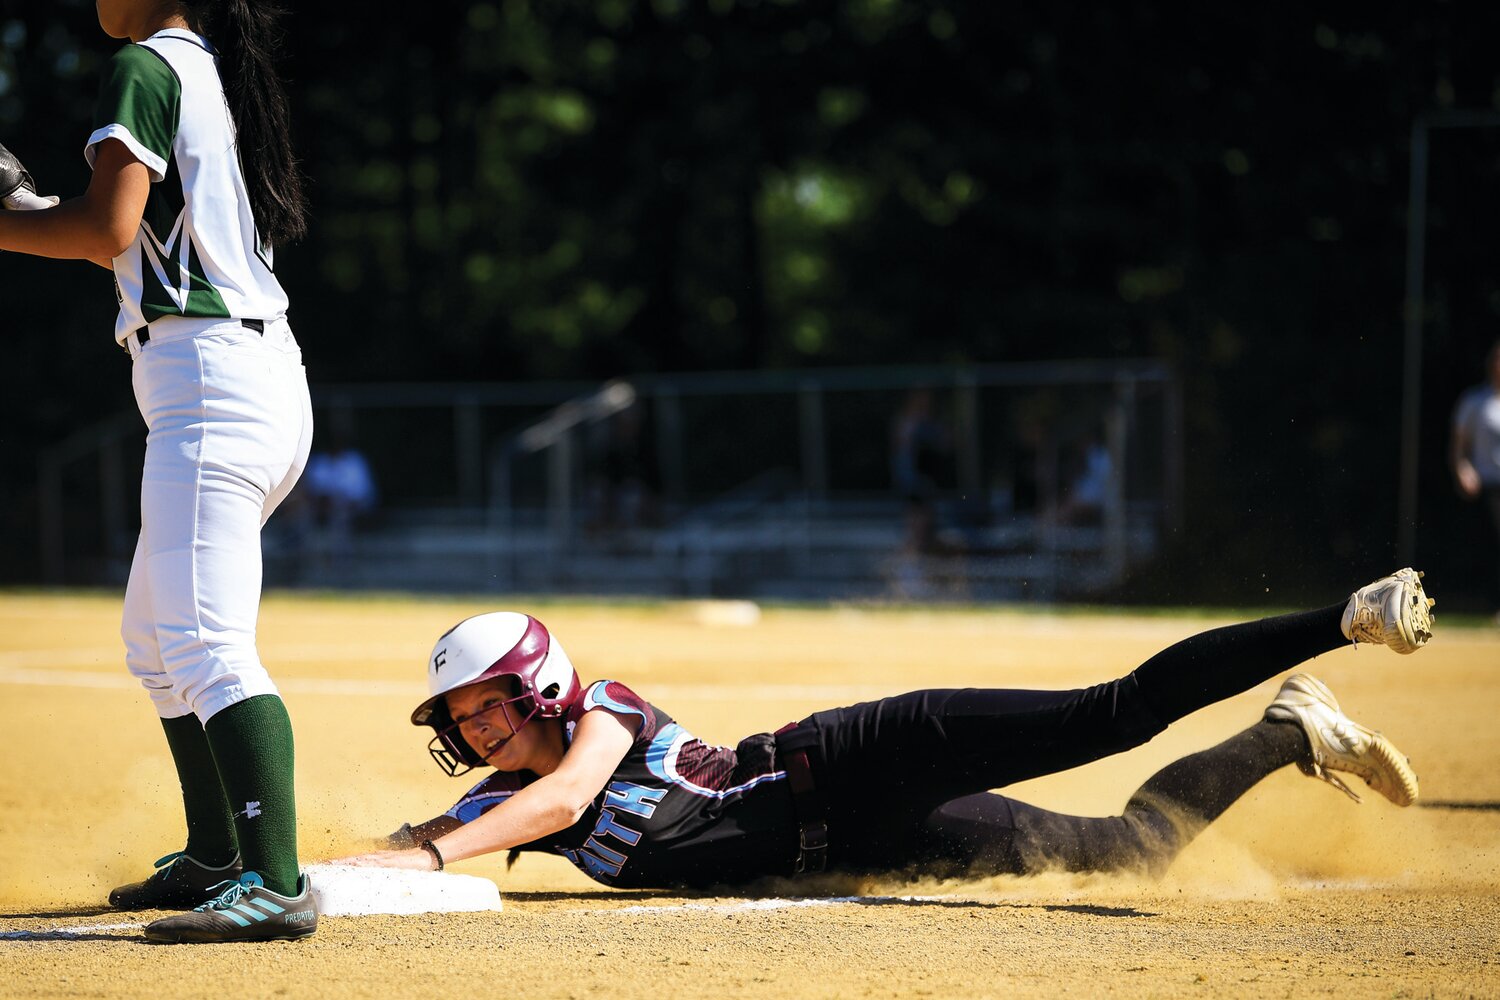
(210, 831)
(252, 744)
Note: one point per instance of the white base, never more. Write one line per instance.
(344, 890)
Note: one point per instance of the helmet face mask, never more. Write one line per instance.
(487, 647)
(453, 752)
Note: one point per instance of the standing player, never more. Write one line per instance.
(1474, 452)
(610, 782)
(193, 184)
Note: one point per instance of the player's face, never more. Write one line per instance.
(485, 721)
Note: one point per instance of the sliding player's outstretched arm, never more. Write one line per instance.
(551, 803)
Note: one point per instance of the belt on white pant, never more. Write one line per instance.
(143, 334)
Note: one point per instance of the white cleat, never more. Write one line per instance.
(1341, 744)
(1393, 611)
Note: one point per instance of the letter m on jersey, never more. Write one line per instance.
(170, 256)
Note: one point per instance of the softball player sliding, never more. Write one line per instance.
(613, 784)
(190, 192)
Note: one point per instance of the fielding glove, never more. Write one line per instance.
(17, 190)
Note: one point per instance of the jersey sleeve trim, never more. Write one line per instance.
(155, 164)
(140, 93)
(471, 807)
(480, 799)
(597, 696)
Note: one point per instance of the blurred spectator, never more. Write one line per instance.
(1474, 452)
(1086, 496)
(623, 480)
(920, 447)
(339, 495)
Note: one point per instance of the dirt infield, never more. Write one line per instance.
(1296, 891)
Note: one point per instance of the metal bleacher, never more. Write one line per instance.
(782, 519)
(785, 549)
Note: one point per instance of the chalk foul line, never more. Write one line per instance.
(739, 906)
(746, 905)
(58, 933)
(25, 669)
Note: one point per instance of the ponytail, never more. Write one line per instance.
(246, 34)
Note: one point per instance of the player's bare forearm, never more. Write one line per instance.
(518, 820)
(96, 226)
(411, 836)
(544, 807)
(553, 802)
(532, 813)
(73, 230)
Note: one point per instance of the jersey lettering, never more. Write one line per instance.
(594, 866)
(638, 800)
(603, 862)
(671, 797)
(607, 827)
(612, 857)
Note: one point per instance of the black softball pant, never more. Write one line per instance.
(906, 777)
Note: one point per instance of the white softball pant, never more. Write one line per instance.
(229, 425)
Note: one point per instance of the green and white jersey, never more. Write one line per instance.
(197, 253)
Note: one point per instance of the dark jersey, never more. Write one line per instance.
(676, 811)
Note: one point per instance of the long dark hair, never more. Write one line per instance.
(247, 33)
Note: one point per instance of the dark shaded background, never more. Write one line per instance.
(582, 190)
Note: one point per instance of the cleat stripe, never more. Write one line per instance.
(269, 906)
(241, 907)
(236, 918)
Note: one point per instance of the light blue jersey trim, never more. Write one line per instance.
(661, 760)
(472, 806)
(595, 697)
